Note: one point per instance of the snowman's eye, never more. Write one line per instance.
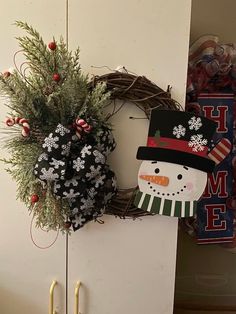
(157, 170)
(179, 176)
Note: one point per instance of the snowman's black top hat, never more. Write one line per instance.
(179, 137)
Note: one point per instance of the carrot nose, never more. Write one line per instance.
(160, 180)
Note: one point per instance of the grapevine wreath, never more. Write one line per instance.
(60, 137)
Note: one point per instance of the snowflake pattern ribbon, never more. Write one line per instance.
(78, 173)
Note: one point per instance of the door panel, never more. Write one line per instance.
(128, 266)
(26, 272)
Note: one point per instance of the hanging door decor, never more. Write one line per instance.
(214, 217)
(211, 87)
(60, 135)
(173, 174)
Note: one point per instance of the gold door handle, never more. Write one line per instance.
(51, 298)
(77, 287)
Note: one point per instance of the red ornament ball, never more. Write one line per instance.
(6, 74)
(34, 198)
(67, 224)
(52, 45)
(56, 77)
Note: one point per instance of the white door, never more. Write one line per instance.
(26, 272)
(128, 266)
(125, 266)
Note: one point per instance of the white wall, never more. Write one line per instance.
(215, 17)
(135, 260)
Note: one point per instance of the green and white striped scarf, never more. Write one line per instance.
(163, 206)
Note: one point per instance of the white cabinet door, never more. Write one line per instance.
(26, 272)
(129, 266)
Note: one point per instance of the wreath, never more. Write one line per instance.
(59, 136)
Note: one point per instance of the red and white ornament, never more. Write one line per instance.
(21, 121)
(81, 125)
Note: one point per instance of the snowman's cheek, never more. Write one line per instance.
(189, 186)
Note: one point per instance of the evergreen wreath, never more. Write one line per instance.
(60, 136)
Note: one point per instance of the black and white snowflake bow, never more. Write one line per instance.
(77, 171)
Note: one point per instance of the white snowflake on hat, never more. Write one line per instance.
(179, 131)
(197, 142)
(195, 123)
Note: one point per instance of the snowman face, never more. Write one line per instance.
(171, 181)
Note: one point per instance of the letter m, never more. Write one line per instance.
(216, 184)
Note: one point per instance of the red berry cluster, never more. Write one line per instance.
(34, 198)
(53, 46)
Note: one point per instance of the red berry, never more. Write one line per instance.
(34, 198)
(67, 224)
(56, 77)
(6, 74)
(52, 45)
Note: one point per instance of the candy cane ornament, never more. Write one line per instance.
(82, 125)
(21, 121)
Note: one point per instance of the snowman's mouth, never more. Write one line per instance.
(153, 189)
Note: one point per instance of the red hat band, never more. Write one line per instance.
(191, 147)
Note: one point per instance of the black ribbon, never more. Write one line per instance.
(77, 171)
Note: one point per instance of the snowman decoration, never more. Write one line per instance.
(173, 174)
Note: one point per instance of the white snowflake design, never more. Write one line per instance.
(48, 175)
(100, 147)
(108, 197)
(100, 181)
(43, 156)
(92, 192)
(73, 182)
(66, 149)
(62, 130)
(71, 194)
(197, 142)
(99, 158)
(56, 163)
(86, 151)
(56, 187)
(94, 172)
(179, 131)
(195, 123)
(50, 142)
(87, 203)
(114, 183)
(78, 221)
(78, 164)
(108, 136)
(75, 210)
